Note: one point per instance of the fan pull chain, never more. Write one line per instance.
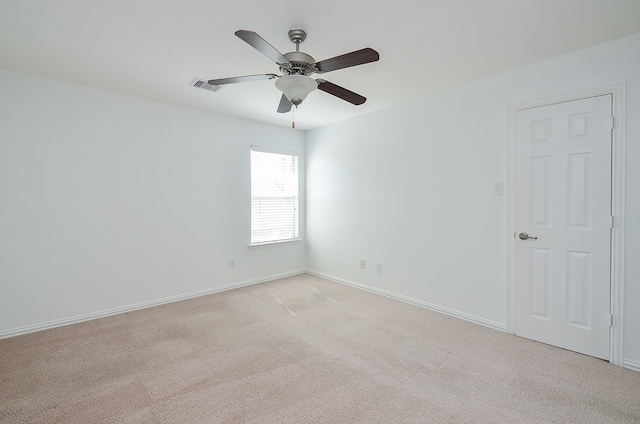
(293, 117)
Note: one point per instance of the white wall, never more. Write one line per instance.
(411, 186)
(108, 201)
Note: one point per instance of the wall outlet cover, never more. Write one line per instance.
(498, 188)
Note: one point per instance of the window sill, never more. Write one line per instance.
(269, 244)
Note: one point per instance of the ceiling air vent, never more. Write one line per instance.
(203, 84)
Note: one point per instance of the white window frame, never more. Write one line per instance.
(278, 195)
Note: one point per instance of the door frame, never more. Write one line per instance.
(618, 92)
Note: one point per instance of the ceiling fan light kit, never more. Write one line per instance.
(296, 87)
(296, 67)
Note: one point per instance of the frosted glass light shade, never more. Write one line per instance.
(296, 87)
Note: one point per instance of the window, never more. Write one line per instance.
(274, 195)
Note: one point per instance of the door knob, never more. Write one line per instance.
(525, 236)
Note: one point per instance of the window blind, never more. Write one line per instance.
(274, 195)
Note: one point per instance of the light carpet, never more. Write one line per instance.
(302, 350)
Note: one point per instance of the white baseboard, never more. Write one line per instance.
(81, 318)
(627, 363)
(435, 308)
(632, 365)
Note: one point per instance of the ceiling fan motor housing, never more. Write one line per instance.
(299, 64)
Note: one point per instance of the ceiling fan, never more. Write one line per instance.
(296, 67)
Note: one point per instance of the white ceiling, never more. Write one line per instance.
(154, 48)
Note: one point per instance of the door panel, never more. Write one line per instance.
(563, 202)
(540, 283)
(541, 191)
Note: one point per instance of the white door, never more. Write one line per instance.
(563, 204)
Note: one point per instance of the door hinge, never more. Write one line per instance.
(610, 320)
(613, 122)
(611, 222)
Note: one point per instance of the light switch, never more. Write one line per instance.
(498, 189)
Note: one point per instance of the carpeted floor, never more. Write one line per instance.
(302, 350)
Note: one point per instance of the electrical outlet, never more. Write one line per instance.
(378, 266)
(362, 263)
(232, 263)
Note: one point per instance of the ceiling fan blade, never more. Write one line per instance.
(247, 78)
(347, 60)
(340, 92)
(260, 44)
(285, 104)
